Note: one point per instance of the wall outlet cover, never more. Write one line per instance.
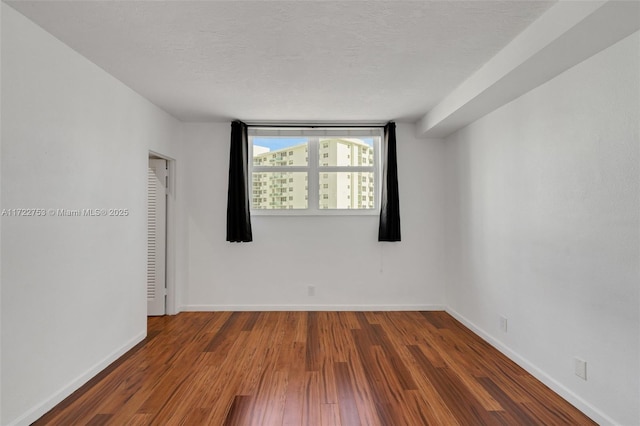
(503, 323)
(580, 368)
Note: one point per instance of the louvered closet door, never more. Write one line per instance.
(156, 237)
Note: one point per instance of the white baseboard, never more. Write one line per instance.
(588, 409)
(41, 409)
(236, 308)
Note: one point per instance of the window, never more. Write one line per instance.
(297, 162)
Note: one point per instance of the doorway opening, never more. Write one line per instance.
(160, 246)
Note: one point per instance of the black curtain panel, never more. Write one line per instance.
(238, 214)
(389, 229)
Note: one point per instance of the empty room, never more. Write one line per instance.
(320, 213)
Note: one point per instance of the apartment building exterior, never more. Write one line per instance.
(283, 189)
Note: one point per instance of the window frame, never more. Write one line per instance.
(314, 169)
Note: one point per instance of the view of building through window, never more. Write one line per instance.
(343, 178)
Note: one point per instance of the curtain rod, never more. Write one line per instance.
(317, 126)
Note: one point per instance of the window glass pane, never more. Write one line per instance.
(346, 151)
(346, 190)
(279, 190)
(280, 151)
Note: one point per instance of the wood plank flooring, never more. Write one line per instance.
(313, 368)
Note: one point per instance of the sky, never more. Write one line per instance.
(278, 143)
(275, 143)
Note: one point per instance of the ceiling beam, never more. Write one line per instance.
(567, 34)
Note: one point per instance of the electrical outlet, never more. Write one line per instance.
(580, 366)
(311, 290)
(503, 323)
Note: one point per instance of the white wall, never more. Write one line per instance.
(339, 255)
(543, 228)
(73, 288)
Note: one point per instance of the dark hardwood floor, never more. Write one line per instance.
(313, 368)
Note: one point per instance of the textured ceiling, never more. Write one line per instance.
(311, 61)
